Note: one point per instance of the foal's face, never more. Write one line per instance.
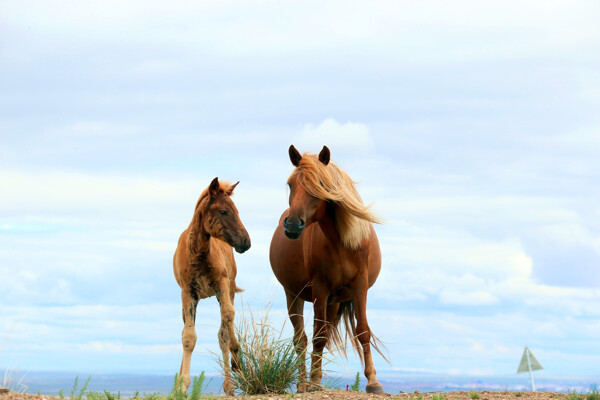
(222, 221)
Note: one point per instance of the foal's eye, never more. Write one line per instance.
(223, 212)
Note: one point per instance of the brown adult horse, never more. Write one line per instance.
(204, 266)
(325, 251)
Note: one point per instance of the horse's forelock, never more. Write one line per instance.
(329, 182)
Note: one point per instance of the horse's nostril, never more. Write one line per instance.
(302, 223)
(285, 223)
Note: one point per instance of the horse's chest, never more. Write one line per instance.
(203, 279)
(202, 287)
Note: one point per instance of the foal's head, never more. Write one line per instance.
(305, 207)
(221, 219)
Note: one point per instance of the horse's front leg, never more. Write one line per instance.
(227, 339)
(295, 307)
(363, 332)
(188, 336)
(320, 331)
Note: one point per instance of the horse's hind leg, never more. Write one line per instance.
(188, 336)
(295, 311)
(363, 332)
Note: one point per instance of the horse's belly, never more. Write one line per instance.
(340, 295)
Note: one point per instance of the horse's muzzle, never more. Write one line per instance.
(294, 228)
(242, 245)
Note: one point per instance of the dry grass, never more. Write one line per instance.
(12, 378)
(268, 363)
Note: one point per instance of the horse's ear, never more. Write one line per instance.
(213, 189)
(295, 156)
(324, 155)
(229, 191)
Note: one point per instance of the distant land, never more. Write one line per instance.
(49, 383)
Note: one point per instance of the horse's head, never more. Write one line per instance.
(221, 219)
(304, 207)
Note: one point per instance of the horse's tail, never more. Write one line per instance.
(346, 313)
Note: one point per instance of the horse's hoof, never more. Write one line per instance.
(314, 387)
(375, 388)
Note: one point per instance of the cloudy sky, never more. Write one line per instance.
(473, 128)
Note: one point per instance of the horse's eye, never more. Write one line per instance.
(223, 212)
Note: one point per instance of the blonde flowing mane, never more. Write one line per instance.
(329, 182)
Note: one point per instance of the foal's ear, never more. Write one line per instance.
(295, 156)
(229, 191)
(324, 155)
(213, 189)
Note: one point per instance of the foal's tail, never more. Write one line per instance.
(346, 313)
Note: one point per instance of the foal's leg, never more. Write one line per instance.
(363, 332)
(226, 332)
(234, 345)
(295, 311)
(188, 336)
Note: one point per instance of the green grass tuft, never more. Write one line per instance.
(574, 396)
(112, 396)
(177, 393)
(593, 394)
(268, 364)
(356, 385)
(197, 383)
(79, 395)
(152, 396)
(474, 395)
(91, 395)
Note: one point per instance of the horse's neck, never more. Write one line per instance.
(328, 225)
(199, 239)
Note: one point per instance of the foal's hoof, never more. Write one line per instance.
(301, 388)
(375, 388)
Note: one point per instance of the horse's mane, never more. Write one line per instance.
(330, 182)
(195, 228)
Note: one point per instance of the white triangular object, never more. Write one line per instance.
(529, 362)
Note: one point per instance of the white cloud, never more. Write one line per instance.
(258, 27)
(475, 298)
(47, 193)
(334, 135)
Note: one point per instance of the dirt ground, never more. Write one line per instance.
(339, 395)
